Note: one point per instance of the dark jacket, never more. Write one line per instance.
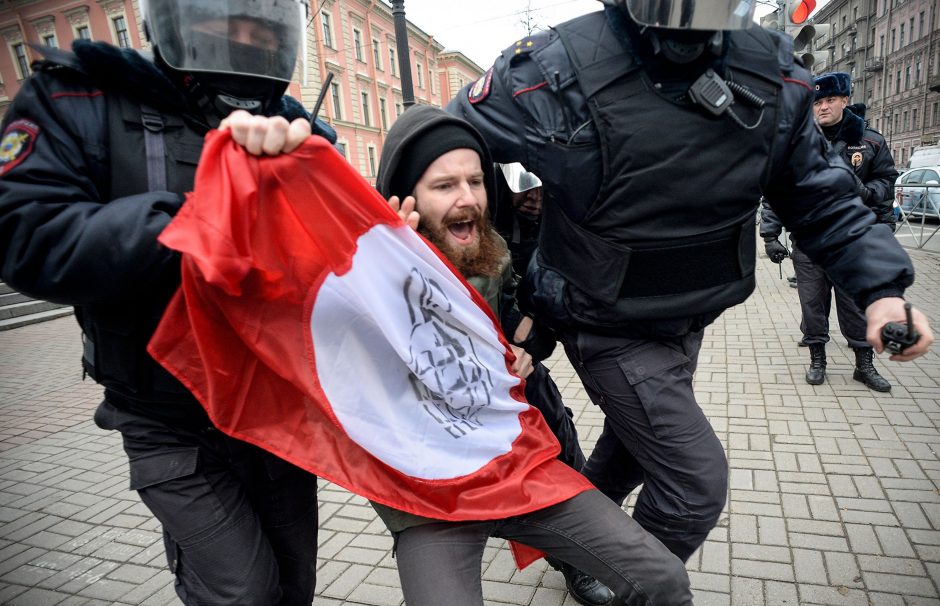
(865, 152)
(65, 238)
(527, 112)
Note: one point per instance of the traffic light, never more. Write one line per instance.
(803, 33)
(771, 20)
(798, 11)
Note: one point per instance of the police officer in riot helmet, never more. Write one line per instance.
(233, 54)
(656, 126)
(101, 147)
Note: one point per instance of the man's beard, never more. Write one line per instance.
(487, 258)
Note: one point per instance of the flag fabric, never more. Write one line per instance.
(313, 323)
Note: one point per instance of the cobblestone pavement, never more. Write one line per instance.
(833, 499)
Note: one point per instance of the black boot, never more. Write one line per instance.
(817, 364)
(583, 588)
(865, 370)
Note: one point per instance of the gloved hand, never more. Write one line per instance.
(862, 190)
(775, 250)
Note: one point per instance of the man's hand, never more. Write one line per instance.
(406, 210)
(522, 330)
(261, 135)
(891, 309)
(775, 250)
(523, 364)
(862, 190)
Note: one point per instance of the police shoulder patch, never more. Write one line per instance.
(481, 88)
(17, 143)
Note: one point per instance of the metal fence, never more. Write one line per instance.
(920, 212)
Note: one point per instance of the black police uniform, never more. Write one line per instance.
(519, 229)
(87, 138)
(648, 233)
(866, 153)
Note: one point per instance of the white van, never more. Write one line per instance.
(929, 155)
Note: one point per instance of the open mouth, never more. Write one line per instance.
(464, 232)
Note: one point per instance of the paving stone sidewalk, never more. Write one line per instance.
(833, 499)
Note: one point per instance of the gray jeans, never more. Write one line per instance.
(440, 563)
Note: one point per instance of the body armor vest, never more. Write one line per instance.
(149, 151)
(670, 232)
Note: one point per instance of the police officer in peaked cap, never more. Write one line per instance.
(102, 145)
(656, 126)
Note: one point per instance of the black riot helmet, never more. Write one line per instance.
(239, 54)
(714, 15)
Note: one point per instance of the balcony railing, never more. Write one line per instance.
(933, 83)
(874, 64)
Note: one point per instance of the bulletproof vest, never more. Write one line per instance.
(670, 230)
(149, 151)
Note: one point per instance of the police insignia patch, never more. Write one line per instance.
(481, 88)
(857, 159)
(17, 143)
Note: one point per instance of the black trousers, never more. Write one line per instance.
(815, 291)
(655, 434)
(542, 393)
(240, 525)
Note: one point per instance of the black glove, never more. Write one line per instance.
(775, 250)
(862, 190)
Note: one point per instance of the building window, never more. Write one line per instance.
(392, 64)
(50, 41)
(22, 61)
(327, 30)
(917, 74)
(897, 122)
(897, 83)
(901, 37)
(120, 30)
(337, 102)
(904, 123)
(894, 39)
(915, 124)
(398, 109)
(377, 54)
(371, 161)
(921, 27)
(83, 32)
(383, 113)
(907, 78)
(911, 30)
(419, 74)
(366, 114)
(881, 47)
(357, 42)
(341, 148)
(935, 113)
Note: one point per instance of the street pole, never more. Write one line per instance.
(404, 54)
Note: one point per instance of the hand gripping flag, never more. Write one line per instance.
(314, 323)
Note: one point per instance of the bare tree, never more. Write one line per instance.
(529, 19)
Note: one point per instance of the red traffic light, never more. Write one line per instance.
(800, 10)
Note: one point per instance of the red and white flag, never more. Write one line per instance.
(315, 324)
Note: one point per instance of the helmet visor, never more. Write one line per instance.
(689, 14)
(242, 37)
(518, 178)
